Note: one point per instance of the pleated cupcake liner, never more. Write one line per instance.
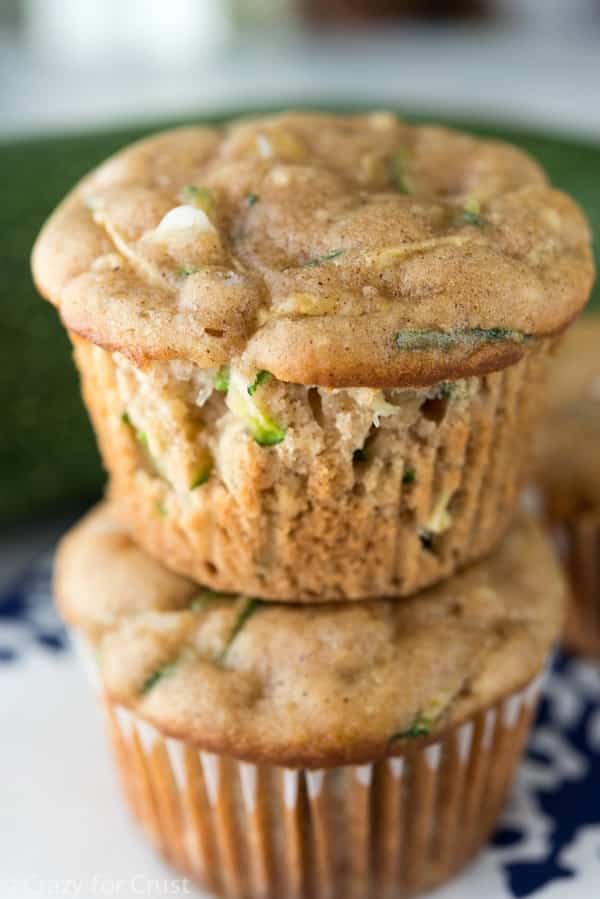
(388, 829)
(447, 504)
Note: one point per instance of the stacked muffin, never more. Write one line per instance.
(313, 349)
(567, 478)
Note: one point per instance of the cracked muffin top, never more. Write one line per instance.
(329, 250)
(567, 445)
(309, 685)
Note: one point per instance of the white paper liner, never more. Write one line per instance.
(387, 829)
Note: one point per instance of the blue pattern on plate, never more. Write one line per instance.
(27, 617)
(558, 790)
(550, 830)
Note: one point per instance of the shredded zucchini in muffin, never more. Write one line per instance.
(243, 403)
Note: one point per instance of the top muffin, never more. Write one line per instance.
(330, 250)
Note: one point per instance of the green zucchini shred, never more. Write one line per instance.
(261, 378)
(157, 676)
(472, 218)
(202, 476)
(425, 339)
(270, 435)
(248, 609)
(258, 421)
(140, 436)
(446, 390)
(420, 727)
(200, 479)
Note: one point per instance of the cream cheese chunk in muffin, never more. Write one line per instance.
(306, 685)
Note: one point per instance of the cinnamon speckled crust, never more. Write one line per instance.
(306, 685)
(434, 485)
(567, 444)
(324, 238)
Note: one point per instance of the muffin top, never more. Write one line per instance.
(330, 250)
(567, 446)
(310, 685)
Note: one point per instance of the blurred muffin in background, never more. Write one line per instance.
(567, 476)
(335, 749)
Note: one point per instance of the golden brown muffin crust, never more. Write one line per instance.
(567, 446)
(306, 685)
(330, 250)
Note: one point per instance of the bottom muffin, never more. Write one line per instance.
(567, 478)
(332, 750)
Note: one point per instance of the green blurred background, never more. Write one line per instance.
(48, 459)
